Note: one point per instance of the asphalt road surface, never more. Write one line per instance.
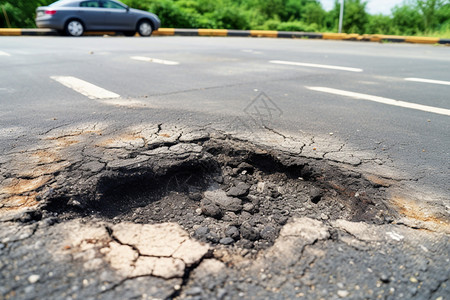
(212, 80)
(74, 111)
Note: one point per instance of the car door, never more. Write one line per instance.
(92, 15)
(117, 16)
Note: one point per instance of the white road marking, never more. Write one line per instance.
(88, 89)
(4, 53)
(155, 60)
(292, 63)
(428, 81)
(133, 103)
(383, 100)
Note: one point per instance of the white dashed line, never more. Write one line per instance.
(88, 89)
(124, 102)
(3, 53)
(155, 60)
(383, 100)
(428, 81)
(292, 63)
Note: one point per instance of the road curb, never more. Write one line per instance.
(251, 33)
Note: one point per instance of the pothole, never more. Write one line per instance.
(230, 194)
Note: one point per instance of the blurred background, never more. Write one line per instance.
(393, 17)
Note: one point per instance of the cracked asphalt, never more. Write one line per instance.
(222, 177)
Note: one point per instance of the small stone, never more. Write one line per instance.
(226, 241)
(246, 244)
(210, 209)
(195, 196)
(413, 280)
(231, 218)
(220, 198)
(249, 207)
(232, 232)
(249, 233)
(343, 293)
(315, 194)
(212, 237)
(280, 219)
(201, 231)
(33, 278)
(384, 278)
(260, 187)
(240, 190)
(323, 216)
(269, 233)
(194, 291)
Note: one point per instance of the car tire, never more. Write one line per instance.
(74, 28)
(145, 28)
(129, 33)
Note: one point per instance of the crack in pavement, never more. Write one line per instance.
(104, 157)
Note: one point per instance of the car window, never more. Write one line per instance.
(110, 4)
(89, 4)
(63, 3)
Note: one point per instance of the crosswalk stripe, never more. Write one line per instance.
(85, 88)
(155, 60)
(300, 64)
(383, 100)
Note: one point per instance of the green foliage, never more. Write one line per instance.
(406, 20)
(313, 13)
(355, 16)
(297, 26)
(379, 24)
(414, 17)
(20, 13)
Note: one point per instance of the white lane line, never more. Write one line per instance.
(293, 63)
(155, 60)
(4, 53)
(383, 100)
(428, 81)
(88, 89)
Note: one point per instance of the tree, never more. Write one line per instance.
(379, 24)
(355, 16)
(406, 20)
(428, 9)
(313, 13)
(20, 13)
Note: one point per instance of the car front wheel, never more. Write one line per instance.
(74, 28)
(145, 28)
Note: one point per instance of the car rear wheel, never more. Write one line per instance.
(74, 28)
(145, 28)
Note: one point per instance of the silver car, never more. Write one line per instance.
(74, 17)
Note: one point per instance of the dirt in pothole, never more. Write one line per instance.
(240, 197)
